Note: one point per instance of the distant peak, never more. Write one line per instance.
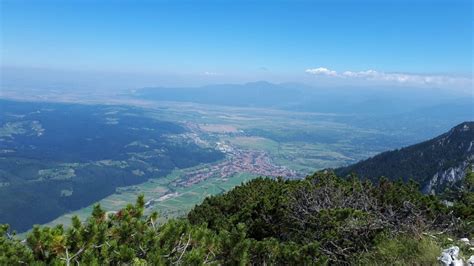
(465, 126)
(259, 83)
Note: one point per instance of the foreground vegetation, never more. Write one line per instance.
(321, 219)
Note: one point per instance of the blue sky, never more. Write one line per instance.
(246, 40)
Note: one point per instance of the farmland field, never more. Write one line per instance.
(61, 158)
(252, 144)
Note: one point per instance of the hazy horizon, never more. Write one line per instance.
(136, 44)
(262, 132)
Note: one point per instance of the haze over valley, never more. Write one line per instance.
(179, 145)
(236, 132)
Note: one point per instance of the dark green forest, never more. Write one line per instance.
(421, 161)
(60, 157)
(322, 219)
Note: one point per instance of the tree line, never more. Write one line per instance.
(322, 219)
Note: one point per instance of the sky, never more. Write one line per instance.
(425, 43)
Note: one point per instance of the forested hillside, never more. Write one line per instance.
(435, 164)
(59, 157)
(322, 219)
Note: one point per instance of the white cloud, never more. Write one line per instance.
(360, 74)
(321, 71)
(401, 78)
(207, 73)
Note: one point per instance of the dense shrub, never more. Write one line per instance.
(321, 219)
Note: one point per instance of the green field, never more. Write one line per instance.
(303, 142)
(178, 205)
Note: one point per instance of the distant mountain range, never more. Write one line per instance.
(301, 97)
(409, 113)
(436, 164)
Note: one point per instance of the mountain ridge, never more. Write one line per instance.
(435, 164)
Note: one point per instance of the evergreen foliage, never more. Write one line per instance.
(421, 161)
(319, 220)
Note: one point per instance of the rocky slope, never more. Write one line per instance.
(435, 164)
